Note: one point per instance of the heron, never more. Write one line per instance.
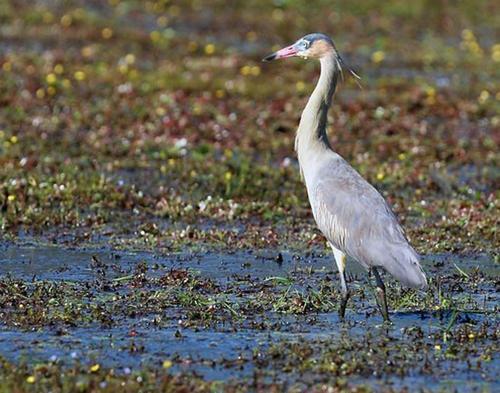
(352, 215)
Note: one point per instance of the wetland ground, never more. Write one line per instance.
(155, 234)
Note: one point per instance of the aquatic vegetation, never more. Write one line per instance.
(109, 129)
(131, 125)
(276, 316)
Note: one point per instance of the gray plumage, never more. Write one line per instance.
(356, 220)
(349, 211)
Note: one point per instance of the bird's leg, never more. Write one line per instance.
(345, 295)
(340, 259)
(380, 295)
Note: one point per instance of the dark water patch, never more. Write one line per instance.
(47, 262)
(55, 263)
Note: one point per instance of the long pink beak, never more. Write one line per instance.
(289, 51)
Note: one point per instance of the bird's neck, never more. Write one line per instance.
(311, 134)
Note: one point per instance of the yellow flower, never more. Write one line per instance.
(155, 36)
(162, 21)
(495, 53)
(130, 58)
(13, 139)
(107, 33)
(209, 49)
(58, 69)
(300, 86)
(483, 97)
(51, 78)
(197, 109)
(378, 56)
(245, 70)
(437, 347)
(167, 364)
(228, 176)
(95, 368)
(79, 75)
(380, 176)
(431, 91)
(31, 379)
(475, 48)
(467, 35)
(123, 68)
(431, 95)
(87, 51)
(255, 70)
(219, 93)
(40, 93)
(11, 198)
(66, 20)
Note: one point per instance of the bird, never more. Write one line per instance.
(352, 215)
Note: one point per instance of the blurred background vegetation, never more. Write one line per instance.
(154, 123)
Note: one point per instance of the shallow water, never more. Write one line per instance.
(56, 263)
(226, 350)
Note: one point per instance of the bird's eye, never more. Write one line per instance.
(306, 44)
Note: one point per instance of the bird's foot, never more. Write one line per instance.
(343, 304)
(382, 304)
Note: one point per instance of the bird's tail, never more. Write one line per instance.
(407, 269)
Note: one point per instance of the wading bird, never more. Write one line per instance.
(350, 212)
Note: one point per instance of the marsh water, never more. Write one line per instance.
(242, 328)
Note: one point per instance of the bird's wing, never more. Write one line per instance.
(355, 218)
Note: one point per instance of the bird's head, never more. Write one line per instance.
(315, 45)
